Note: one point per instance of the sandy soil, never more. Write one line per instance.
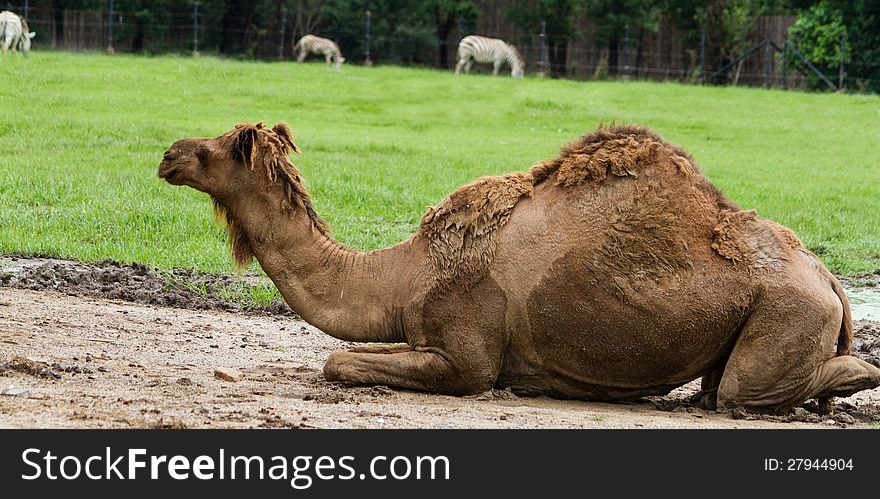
(91, 362)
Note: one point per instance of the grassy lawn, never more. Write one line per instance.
(81, 136)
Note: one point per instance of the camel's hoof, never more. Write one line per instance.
(707, 400)
(825, 406)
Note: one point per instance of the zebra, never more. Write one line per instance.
(14, 32)
(311, 44)
(474, 48)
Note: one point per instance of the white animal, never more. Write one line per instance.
(482, 49)
(14, 32)
(311, 44)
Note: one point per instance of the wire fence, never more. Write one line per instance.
(664, 54)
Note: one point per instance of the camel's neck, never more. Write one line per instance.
(349, 295)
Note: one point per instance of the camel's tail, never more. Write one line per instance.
(845, 339)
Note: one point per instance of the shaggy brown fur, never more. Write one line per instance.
(461, 228)
(613, 271)
(253, 144)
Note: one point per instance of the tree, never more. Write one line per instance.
(861, 21)
(307, 17)
(817, 34)
(445, 14)
(528, 16)
(613, 16)
(403, 30)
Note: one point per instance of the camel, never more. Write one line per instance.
(614, 271)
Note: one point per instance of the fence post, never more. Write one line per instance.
(541, 49)
(702, 53)
(283, 32)
(785, 62)
(110, 49)
(26, 8)
(195, 29)
(842, 76)
(368, 38)
(768, 61)
(626, 52)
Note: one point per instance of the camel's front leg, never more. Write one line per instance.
(416, 370)
(382, 348)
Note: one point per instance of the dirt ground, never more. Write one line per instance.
(77, 360)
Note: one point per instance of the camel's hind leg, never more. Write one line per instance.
(786, 354)
(707, 398)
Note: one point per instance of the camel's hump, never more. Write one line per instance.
(461, 228)
(617, 150)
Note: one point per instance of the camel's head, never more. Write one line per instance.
(246, 161)
(229, 163)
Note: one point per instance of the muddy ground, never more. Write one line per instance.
(110, 345)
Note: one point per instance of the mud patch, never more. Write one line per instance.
(843, 415)
(33, 367)
(866, 341)
(138, 283)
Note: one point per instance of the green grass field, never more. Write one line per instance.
(81, 136)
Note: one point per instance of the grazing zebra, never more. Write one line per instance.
(481, 49)
(14, 32)
(311, 44)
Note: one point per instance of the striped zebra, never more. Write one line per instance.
(14, 32)
(311, 44)
(475, 48)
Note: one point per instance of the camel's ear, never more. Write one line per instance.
(244, 145)
(286, 136)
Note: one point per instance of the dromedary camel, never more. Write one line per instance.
(613, 271)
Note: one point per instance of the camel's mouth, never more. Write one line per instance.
(167, 172)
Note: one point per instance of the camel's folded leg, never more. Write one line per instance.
(383, 348)
(786, 354)
(416, 370)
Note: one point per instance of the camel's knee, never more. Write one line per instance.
(334, 368)
(473, 381)
(344, 367)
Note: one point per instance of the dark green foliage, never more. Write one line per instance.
(818, 35)
(528, 15)
(821, 20)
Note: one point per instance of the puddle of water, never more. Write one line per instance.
(864, 303)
